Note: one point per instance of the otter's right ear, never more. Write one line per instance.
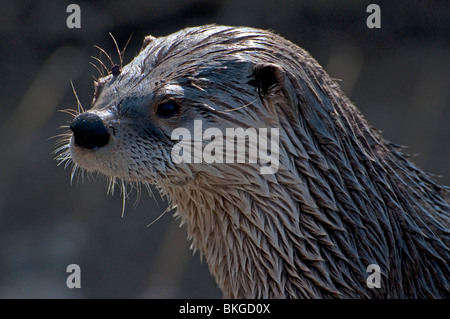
(267, 78)
(147, 40)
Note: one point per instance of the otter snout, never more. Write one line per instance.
(89, 131)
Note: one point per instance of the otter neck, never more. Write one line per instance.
(260, 243)
(292, 235)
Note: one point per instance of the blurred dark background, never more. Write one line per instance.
(398, 76)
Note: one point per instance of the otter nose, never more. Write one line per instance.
(89, 131)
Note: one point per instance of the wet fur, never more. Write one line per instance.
(343, 197)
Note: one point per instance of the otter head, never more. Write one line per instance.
(216, 77)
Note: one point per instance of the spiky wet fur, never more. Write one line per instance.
(342, 199)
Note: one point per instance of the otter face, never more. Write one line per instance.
(189, 76)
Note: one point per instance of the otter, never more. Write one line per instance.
(342, 201)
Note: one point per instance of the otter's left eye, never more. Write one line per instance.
(167, 109)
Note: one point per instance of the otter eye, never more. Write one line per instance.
(167, 109)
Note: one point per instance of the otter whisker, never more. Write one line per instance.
(117, 48)
(100, 71)
(230, 110)
(63, 137)
(168, 209)
(150, 192)
(101, 64)
(120, 53)
(71, 112)
(137, 187)
(124, 195)
(64, 149)
(79, 106)
(238, 108)
(112, 182)
(68, 161)
(111, 185)
(210, 107)
(107, 55)
(77, 171)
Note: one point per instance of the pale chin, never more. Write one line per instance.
(84, 159)
(99, 161)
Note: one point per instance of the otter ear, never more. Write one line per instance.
(267, 78)
(147, 40)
